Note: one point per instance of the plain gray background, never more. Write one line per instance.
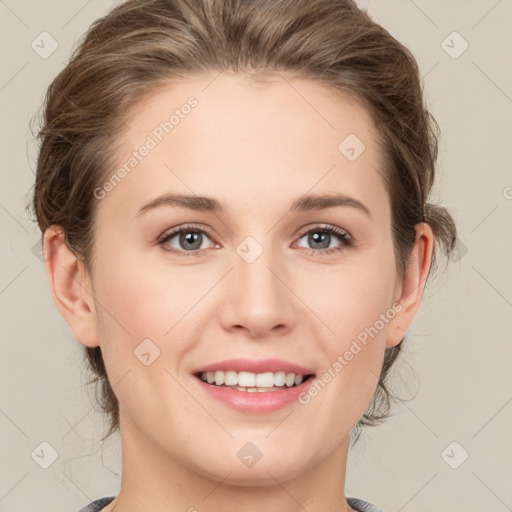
(457, 355)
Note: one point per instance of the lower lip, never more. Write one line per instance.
(256, 401)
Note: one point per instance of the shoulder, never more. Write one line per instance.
(362, 506)
(356, 503)
(97, 505)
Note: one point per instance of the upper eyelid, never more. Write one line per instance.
(321, 226)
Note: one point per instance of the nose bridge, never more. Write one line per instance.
(256, 268)
(259, 300)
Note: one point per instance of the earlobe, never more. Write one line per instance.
(71, 287)
(410, 291)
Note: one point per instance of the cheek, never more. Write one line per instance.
(141, 330)
(132, 309)
(351, 297)
(356, 309)
(145, 300)
(353, 355)
(141, 302)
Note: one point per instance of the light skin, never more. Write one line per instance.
(255, 148)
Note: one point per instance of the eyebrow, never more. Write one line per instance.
(208, 204)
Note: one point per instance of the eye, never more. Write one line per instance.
(320, 237)
(189, 239)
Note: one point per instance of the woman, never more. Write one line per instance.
(287, 142)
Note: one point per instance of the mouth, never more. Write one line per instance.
(254, 382)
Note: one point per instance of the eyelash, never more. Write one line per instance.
(342, 235)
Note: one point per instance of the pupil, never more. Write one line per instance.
(190, 237)
(315, 237)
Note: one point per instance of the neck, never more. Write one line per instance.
(154, 480)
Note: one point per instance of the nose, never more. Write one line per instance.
(258, 299)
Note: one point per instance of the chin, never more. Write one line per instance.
(260, 474)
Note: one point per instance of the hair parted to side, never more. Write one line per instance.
(142, 45)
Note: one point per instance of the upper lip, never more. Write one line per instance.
(255, 366)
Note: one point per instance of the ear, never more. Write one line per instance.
(71, 287)
(409, 292)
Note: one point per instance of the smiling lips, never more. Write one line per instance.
(255, 366)
(254, 386)
(262, 381)
(250, 373)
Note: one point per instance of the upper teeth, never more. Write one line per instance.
(248, 379)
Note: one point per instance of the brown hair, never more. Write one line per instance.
(143, 44)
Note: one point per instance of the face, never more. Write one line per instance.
(180, 285)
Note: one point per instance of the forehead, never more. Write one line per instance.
(249, 102)
(232, 135)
